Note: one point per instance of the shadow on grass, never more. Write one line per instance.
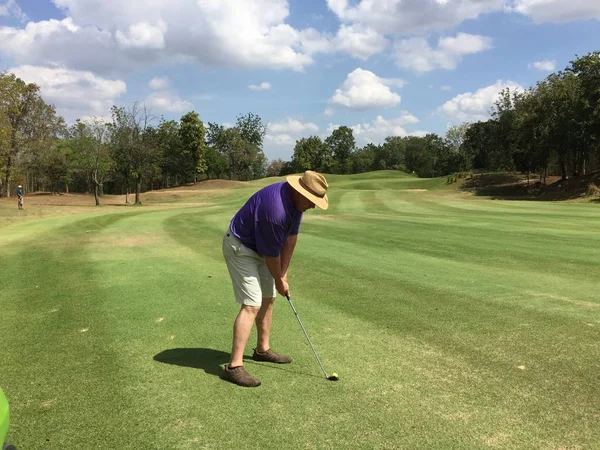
(513, 186)
(207, 359)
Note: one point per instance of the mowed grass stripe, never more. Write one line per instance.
(67, 383)
(493, 338)
(462, 342)
(180, 409)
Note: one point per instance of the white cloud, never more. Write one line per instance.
(264, 86)
(10, 8)
(74, 93)
(557, 10)
(286, 132)
(143, 35)
(545, 66)
(292, 126)
(159, 83)
(359, 42)
(63, 43)
(364, 90)
(167, 101)
(404, 17)
(111, 36)
(471, 107)
(329, 112)
(416, 53)
(313, 41)
(377, 130)
(414, 17)
(282, 139)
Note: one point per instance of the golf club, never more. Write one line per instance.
(333, 376)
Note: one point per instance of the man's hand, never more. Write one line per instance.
(283, 287)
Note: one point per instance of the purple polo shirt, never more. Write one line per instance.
(267, 219)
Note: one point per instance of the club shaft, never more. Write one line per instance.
(307, 338)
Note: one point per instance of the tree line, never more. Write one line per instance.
(133, 152)
(551, 128)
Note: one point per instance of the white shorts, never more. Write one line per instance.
(249, 273)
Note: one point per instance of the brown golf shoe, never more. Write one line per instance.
(271, 356)
(239, 375)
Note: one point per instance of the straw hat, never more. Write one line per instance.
(311, 185)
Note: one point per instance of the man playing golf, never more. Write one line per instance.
(257, 248)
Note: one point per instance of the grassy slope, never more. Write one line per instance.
(453, 322)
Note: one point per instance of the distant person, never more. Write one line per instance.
(20, 196)
(257, 248)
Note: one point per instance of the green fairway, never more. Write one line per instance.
(453, 321)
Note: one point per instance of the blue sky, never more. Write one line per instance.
(382, 67)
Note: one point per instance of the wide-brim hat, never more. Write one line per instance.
(311, 185)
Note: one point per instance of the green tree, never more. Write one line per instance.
(342, 144)
(363, 159)
(192, 136)
(418, 159)
(479, 144)
(122, 142)
(504, 141)
(172, 163)
(55, 163)
(252, 129)
(587, 71)
(216, 164)
(19, 104)
(90, 141)
(239, 154)
(274, 168)
(311, 154)
(455, 136)
(394, 151)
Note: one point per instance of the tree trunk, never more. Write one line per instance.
(528, 179)
(563, 170)
(127, 194)
(67, 188)
(138, 188)
(96, 185)
(7, 176)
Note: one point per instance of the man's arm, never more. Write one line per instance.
(274, 266)
(286, 254)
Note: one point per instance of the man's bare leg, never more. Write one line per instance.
(241, 333)
(263, 324)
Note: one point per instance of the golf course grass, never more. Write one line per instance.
(453, 321)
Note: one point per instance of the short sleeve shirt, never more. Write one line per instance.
(264, 223)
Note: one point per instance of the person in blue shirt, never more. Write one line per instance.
(20, 197)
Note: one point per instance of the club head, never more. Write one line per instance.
(333, 377)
